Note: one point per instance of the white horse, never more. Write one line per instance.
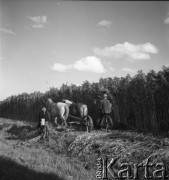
(56, 110)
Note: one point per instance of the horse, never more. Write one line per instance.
(80, 110)
(57, 110)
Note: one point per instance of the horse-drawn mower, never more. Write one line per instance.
(84, 123)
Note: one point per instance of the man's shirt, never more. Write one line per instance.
(106, 106)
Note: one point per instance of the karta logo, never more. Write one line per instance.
(130, 171)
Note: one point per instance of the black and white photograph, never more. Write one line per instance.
(84, 90)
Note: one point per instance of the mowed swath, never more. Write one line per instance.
(73, 154)
(35, 161)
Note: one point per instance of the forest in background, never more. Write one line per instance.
(140, 102)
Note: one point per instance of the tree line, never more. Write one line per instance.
(140, 102)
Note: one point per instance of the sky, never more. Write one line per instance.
(45, 43)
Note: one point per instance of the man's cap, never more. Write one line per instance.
(104, 95)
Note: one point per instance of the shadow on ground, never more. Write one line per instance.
(9, 169)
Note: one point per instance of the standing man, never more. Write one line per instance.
(105, 107)
(43, 123)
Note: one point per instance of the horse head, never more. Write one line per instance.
(67, 102)
(49, 103)
(49, 100)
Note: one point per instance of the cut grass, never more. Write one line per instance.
(37, 161)
(72, 155)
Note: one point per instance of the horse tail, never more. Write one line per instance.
(66, 114)
(85, 111)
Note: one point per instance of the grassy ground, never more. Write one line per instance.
(44, 160)
(71, 154)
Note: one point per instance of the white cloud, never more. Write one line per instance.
(105, 23)
(166, 21)
(60, 67)
(39, 21)
(129, 70)
(134, 52)
(7, 31)
(87, 64)
(90, 63)
(38, 26)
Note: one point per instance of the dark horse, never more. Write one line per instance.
(57, 110)
(80, 110)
